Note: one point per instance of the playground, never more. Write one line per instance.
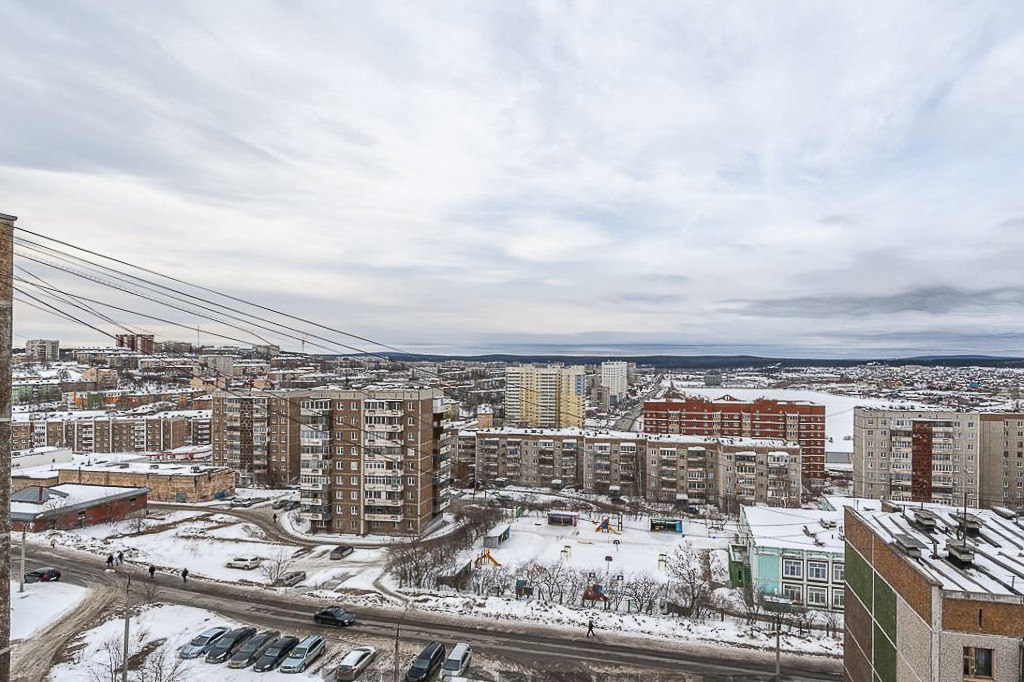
(628, 540)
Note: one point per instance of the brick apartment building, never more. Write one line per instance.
(932, 595)
(257, 435)
(140, 343)
(90, 432)
(793, 421)
(374, 461)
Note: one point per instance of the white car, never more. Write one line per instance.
(457, 662)
(246, 563)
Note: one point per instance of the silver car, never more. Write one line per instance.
(354, 663)
(202, 643)
(304, 653)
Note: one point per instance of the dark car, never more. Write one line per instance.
(427, 663)
(253, 649)
(291, 505)
(341, 551)
(229, 644)
(334, 615)
(43, 575)
(275, 653)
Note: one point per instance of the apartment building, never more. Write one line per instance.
(919, 455)
(932, 594)
(140, 343)
(374, 461)
(257, 435)
(99, 432)
(548, 397)
(615, 378)
(727, 417)
(42, 350)
(1001, 466)
(667, 468)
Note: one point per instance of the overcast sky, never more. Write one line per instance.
(804, 179)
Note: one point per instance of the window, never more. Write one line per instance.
(817, 570)
(837, 598)
(794, 592)
(977, 663)
(354, 465)
(792, 568)
(837, 573)
(817, 596)
(354, 510)
(354, 480)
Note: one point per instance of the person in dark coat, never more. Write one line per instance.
(590, 628)
(120, 558)
(152, 571)
(184, 575)
(110, 561)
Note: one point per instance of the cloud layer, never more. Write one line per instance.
(827, 180)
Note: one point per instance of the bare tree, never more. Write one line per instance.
(833, 622)
(160, 666)
(645, 590)
(148, 591)
(274, 568)
(752, 606)
(108, 667)
(690, 590)
(576, 585)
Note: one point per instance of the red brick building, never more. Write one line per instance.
(69, 505)
(795, 421)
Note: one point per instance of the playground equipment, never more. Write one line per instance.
(605, 526)
(485, 557)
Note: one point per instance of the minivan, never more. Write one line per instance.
(457, 662)
(427, 663)
(307, 651)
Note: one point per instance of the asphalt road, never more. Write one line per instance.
(539, 648)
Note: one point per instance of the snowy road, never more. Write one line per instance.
(538, 648)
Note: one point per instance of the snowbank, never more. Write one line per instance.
(40, 605)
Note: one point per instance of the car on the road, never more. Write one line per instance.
(242, 502)
(280, 502)
(275, 653)
(246, 563)
(290, 579)
(43, 575)
(253, 649)
(342, 551)
(227, 645)
(202, 642)
(457, 662)
(427, 663)
(293, 504)
(334, 615)
(304, 653)
(354, 663)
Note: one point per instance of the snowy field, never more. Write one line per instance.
(838, 408)
(40, 605)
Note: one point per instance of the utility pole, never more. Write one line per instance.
(398, 636)
(21, 576)
(6, 319)
(778, 645)
(127, 622)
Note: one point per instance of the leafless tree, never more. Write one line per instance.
(274, 568)
(410, 562)
(645, 590)
(576, 585)
(108, 666)
(690, 591)
(833, 622)
(160, 666)
(752, 606)
(554, 580)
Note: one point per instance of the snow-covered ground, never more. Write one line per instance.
(41, 604)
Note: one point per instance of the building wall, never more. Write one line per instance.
(545, 397)
(106, 512)
(163, 487)
(257, 435)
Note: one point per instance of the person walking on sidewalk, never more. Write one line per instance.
(152, 571)
(120, 558)
(184, 575)
(110, 561)
(590, 628)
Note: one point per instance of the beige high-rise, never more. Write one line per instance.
(547, 397)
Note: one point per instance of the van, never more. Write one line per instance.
(457, 662)
(426, 664)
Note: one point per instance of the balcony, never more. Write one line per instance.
(383, 428)
(382, 517)
(383, 413)
(384, 487)
(383, 501)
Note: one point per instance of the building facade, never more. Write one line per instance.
(140, 343)
(42, 350)
(257, 435)
(793, 421)
(90, 432)
(548, 397)
(615, 378)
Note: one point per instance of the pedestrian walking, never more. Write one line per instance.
(53, 543)
(152, 571)
(120, 558)
(110, 561)
(184, 575)
(275, 518)
(590, 628)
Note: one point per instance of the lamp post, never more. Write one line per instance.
(398, 636)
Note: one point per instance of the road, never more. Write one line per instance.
(538, 647)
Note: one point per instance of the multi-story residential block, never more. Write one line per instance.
(932, 594)
(615, 378)
(374, 461)
(140, 343)
(793, 421)
(918, 455)
(42, 350)
(100, 432)
(1001, 466)
(665, 468)
(547, 397)
(257, 435)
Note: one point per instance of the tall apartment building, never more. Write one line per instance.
(793, 421)
(932, 595)
(140, 343)
(42, 350)
(615, 378)
(257, 435)
(547, 397)
(108, 433)
(672, 469)
(947, 457)
(374, 461)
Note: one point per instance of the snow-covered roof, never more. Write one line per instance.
(595, 434)
(839, 503)
(142, 467)
(805, 530)
(997, 548)
(32, 502)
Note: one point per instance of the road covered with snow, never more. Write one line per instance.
(40, 605)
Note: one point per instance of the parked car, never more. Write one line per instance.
(293, 504)
(202, 642)
(426, 664)
(275, 653)
(242, 502)
(334, 615)
(253, 649)
(246, 563)
(354, 663)
(227, 645)
(43, 575)
(342, 551)
(307, 651)
(290, 579)
(457, 662)
(280, 503)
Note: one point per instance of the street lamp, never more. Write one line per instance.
(398, 635)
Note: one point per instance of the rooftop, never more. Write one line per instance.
(36, 501)
(804, 530)
(597, 434)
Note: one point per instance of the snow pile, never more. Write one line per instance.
(40, 605)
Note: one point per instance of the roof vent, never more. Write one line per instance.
(969, 522)
(960, 553)
(910, 546)
(829, 525)
(1005, 513)
(925, 519)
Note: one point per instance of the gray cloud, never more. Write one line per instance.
(938, 300)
